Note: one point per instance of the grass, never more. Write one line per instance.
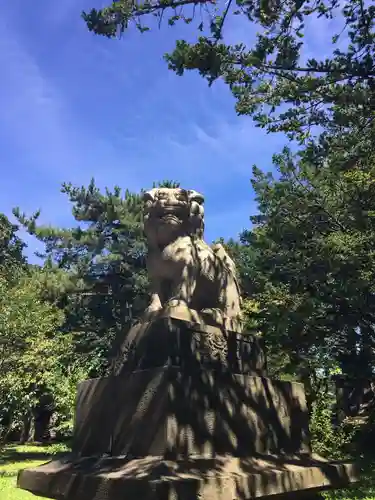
(363, 490)
(15, 458)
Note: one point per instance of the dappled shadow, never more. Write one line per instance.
(364, 489)
(152, 477)
(12, 454)
(137, 398)
(180, 336)
(190, 414)
(181, 266)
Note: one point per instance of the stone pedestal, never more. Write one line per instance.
(188, 413)
(175, 414)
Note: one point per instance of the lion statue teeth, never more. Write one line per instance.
(183, 268)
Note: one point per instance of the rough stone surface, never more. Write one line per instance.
(171, 338)
(182, 267)
(187, 432)
(173, 413)
(153, 478)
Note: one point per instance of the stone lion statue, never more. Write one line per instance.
(183, 269)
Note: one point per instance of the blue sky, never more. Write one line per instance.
(76, 106)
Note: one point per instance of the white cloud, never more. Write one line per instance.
(179, 129)
(37, 120)
(32, 110)
(205, 139)
(43, 142)
(230, 221)
(233, 144)
(319, 33)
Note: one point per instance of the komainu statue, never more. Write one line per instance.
(183, 269)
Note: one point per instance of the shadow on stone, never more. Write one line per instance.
(191, 423)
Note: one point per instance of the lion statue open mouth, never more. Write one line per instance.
(183, 268)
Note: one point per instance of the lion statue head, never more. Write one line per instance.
(172, 212)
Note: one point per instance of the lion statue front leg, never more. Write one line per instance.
(155, 304)
(183, 288)
(173, 278)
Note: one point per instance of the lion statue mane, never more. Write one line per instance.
(183, 268)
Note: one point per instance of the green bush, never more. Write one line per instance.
(326, 439)
(65, 391)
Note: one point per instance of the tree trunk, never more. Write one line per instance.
(41, 425)
(4, 437)
(26, 425)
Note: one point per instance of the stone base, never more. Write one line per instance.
(203, 478)
(177, 413)
(188, 415)
(165, 340)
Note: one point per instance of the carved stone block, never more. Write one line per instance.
(218, 478)
(172, 341)
(173, 413)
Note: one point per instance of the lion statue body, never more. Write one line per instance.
(183, 268)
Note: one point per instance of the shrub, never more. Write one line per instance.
(326, 439)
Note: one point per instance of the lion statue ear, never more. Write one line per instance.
(196, 201)
(150, 195)
(195, 196)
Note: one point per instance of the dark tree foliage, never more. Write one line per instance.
(11, 247)
(314, 271)
(271, 80)
(97, 269)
